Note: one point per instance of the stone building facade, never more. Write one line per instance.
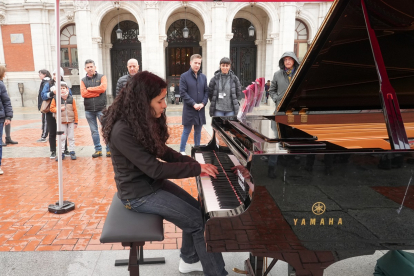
(152, 33)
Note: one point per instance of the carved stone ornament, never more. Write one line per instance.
(269, 40)
(97, 39)
(275, 36)
(207, 37)
(184, 4)
(299, 8)
(2, 17)
(81, 5)
(117, 4)
(218, 4)
(70, 15)
(151, 4)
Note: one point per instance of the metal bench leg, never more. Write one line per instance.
(133, 256)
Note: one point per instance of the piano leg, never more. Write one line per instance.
(254, 265)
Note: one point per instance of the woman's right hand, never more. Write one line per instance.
(209, 169)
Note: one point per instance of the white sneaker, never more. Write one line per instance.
(1, 172)
(183, 153)
(186, 268)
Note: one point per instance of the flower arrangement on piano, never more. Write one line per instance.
(252, 98)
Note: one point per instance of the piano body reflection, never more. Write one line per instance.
(331, 174)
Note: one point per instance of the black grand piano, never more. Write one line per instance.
(330, 176)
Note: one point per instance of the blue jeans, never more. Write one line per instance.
(91, 117)
(1, 141)
(223, 113)
(177, 206)
(186, 133)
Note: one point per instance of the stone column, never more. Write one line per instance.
(287, 26)
(273, 45)
(152, 48)
(84, 36)
(208, 61)
(2, 21)
(39, 27)
(261, 55)
(163, 44)
(97, 50)
(220, 42)
(106, 64)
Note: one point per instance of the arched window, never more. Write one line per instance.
(68, 49)
(301, 39)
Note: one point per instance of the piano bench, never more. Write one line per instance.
(132, 229)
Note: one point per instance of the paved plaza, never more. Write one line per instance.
(36, 242)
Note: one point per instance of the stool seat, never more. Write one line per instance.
(123, 225)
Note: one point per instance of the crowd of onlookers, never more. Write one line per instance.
(223, 90)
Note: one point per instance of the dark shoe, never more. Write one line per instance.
(72, 155)
(53, 155)
(67, 153)
(108, 154)
(10, 141)
(97, 153)
(63, 157)
(3, 144)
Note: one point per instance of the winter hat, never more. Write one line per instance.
(62, 83)
(61, 72)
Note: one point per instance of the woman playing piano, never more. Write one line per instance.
(135, 126)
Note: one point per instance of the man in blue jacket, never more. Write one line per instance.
(194, 92)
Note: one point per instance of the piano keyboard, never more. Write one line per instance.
(225, 192)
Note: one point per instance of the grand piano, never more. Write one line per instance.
(330, 175)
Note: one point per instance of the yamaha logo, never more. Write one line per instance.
(318, 208)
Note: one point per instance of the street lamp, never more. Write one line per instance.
(251, 28)
(119, 31)
(21, 90)
(185, 30)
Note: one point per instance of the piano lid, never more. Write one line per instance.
(339, 72)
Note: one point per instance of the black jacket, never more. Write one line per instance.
(6, 111)
(139, 173)
(39, 96)
(235, 91)
(94, 103)
(122, 81)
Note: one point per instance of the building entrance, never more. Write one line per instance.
(124, 49)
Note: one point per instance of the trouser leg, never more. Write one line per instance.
(197, 134)
(71, 136)
(51, 124)
(184, 136)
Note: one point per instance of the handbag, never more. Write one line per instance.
(45, 107)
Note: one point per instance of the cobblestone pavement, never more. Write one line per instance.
(30, 184)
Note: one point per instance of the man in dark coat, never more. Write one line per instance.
(194, 92)
(288, 64)
(133, 68)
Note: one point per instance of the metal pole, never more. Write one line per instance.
(58, 104)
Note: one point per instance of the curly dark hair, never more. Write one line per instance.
(133, 106)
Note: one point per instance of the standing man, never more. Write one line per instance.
(133, 68)
(288, 64)
(194, 92)
(93, 90)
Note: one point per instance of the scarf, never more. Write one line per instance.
(290, 72)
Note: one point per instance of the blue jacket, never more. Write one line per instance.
(6, 111)
(193, 91)
(46, 92)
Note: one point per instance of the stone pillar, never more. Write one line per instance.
(273, 46)
(84, 35)
(163, 44)
(220, 42)
(152, 48)
(2, 21)
(97, 50)
(106, 64)
(261, 58)
(208, 61)
(39, 27)
(287, 27)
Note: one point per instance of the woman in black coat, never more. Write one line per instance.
(6, 111)
(225, 91)
(135, 127)
(45, 77)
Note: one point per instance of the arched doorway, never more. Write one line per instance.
(124, 49)
(180, 49)
(243, 51)
(301, 39)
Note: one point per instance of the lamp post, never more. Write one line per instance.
(185, 30)
(21, 90)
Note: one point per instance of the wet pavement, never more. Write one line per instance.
(30, 184)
